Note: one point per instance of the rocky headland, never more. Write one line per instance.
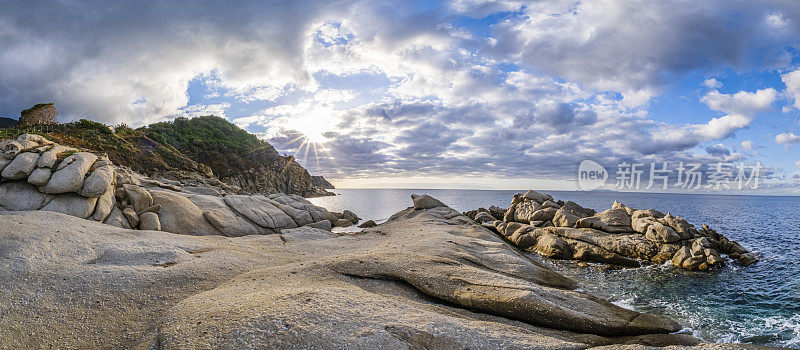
(38, 174)
(209, 147)
(620, 236)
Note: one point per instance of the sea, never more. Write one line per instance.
(758, 304)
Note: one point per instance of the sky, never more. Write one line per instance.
(425, 94)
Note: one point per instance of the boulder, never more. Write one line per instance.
(98, 182)
(179, 215)
(368, 224)
(317, 213)
(537, 197)
(22, 166)
(117, 218)
(483, 217)
(70, 174)
(29, 141)
(260, 211)
(20, 195)
(71, 204)
(322, 225)
(543, 215)
(149, 221)
(565, 218)
(550, 204)
(612, 220)
(105, 204)
(39, 176)
(659, 232)
(524, 211)
(138, 196)
(9, 149)
(343, 223)
(424, 202)
(510, 228)
(349, 215)
(49, 157)
(133, 218)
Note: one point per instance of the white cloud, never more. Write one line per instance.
(747, 145)
(712, 83)
(792, 81)
(787, 138)
(742, 102)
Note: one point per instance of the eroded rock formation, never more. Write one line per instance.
(620, 235)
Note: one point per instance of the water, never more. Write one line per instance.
(758, 304)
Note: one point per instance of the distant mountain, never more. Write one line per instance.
(209, 145)
(7, 122)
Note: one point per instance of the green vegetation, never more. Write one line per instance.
(132, 148)
(214, 141)
(7, 122)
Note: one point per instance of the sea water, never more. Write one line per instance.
(758, 304)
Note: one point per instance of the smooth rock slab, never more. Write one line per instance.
(260, 211)
(65, 278)
(71, 204)
(224, 219)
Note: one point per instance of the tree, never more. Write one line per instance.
(40, 114)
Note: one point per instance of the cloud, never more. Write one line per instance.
(712, 83)
(742, 102)
(523, 89)
(792, 82)
(718, 150)
(585, 41)
(132, 61)
(747, 145)
(741, 106)
(787, 138)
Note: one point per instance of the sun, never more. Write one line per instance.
(313, 125)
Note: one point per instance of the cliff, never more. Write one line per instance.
(320, 182)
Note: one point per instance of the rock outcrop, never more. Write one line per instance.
(426, 278)
(620, 235)
(37, 174)
(320, 182)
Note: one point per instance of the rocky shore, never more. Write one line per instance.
(94, 255)
(619, 236)
(427, 278)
